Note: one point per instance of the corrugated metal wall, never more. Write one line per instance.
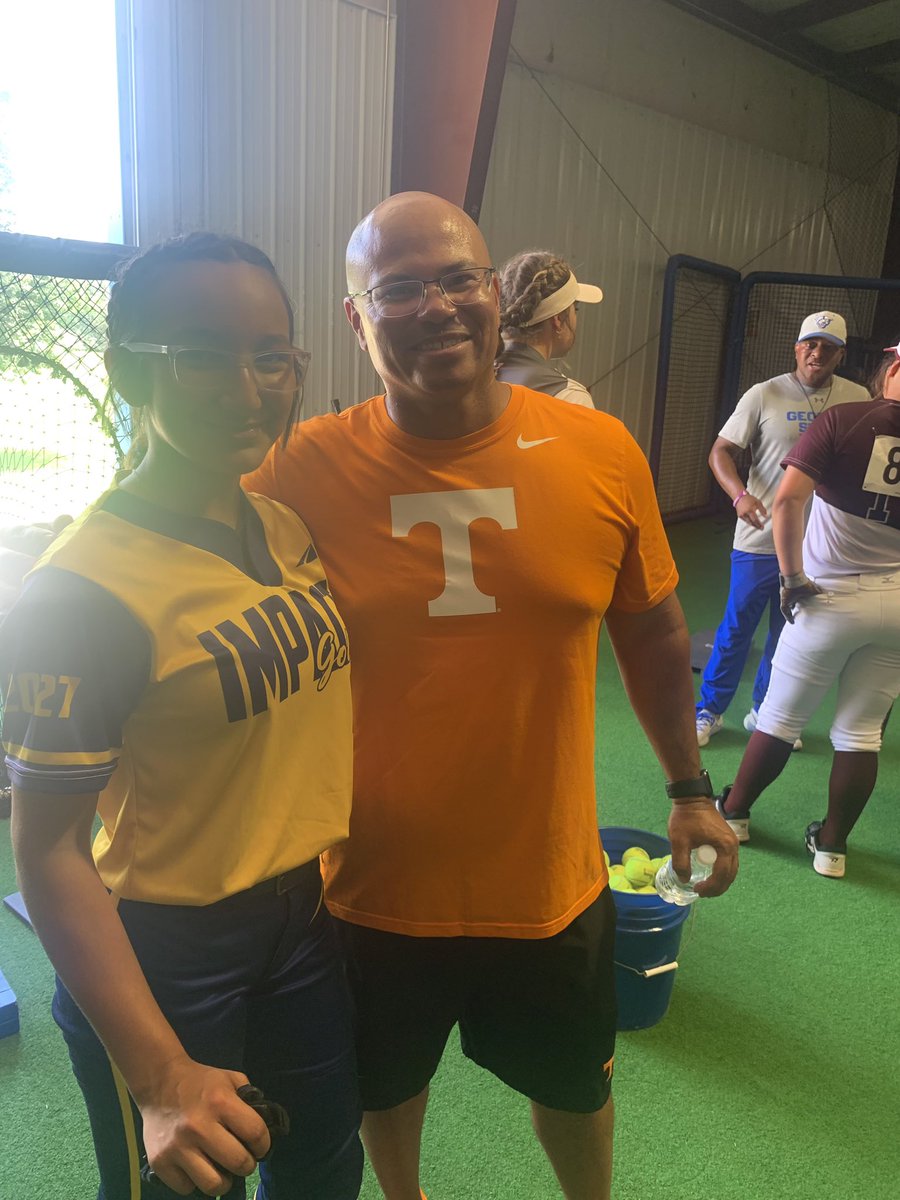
(617, 188)
(270, 120)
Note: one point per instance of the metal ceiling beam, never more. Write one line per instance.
(743, 21)
(885, 54)
(814, 12)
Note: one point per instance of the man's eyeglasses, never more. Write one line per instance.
(214, 370)
(405, 297)
(893, 350)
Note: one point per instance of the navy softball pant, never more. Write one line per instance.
(253, 983)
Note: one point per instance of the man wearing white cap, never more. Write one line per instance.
(844, 615)
(768, 420)
(539, 298)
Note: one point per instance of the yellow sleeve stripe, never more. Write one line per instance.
(61, 759)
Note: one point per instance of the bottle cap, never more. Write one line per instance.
(706, 855)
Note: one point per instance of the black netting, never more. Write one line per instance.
(859, 183)
(856, 203)
(775, 313)
(693, 395)
(63, 435)
(701, 360)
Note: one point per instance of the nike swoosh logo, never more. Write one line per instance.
(523, 445)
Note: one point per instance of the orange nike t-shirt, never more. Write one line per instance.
(473, 575)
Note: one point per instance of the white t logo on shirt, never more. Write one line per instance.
(453, 513)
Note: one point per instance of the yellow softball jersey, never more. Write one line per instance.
(196, 677)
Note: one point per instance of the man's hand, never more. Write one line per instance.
(34, 539)
(13, 569)
(751, 511)
(198, 1132)
(20, 547)
(791, 597)
(694, 823)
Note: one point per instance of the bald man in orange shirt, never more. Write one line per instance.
(475, 535)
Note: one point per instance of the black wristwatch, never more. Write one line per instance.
(678, 789)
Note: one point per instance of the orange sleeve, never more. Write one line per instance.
(648, 572)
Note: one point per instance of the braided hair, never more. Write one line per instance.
(131, 300)
(526, 280)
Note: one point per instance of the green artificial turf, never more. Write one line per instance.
(773, 1075)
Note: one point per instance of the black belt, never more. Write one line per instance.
(288, 879)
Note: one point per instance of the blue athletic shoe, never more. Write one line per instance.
(708, 723)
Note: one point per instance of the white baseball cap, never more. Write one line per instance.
(828, 325)
(559, 301)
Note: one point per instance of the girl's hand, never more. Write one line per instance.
(198, 1132)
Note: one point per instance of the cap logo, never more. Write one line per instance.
(823, 322)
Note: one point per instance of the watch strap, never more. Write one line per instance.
(700, 785)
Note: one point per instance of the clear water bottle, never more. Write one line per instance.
(673, 889)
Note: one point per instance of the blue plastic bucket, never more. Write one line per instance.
(648, 934)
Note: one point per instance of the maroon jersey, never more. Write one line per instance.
(853, 454)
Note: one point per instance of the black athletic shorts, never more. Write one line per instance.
(538, 1013)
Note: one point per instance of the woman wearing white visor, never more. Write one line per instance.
(539, 298)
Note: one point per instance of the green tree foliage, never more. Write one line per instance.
(56, 327)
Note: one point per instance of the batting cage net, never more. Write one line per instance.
(775, 311)
(718, 336)
(697, 303)
(63, 432)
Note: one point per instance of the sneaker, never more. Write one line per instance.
(751, 720)
(826, 861)
(708, 723)
(739, 826)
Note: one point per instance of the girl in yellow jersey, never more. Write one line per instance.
(176, 665)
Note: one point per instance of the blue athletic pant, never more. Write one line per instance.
(753, 586)
(253, 983)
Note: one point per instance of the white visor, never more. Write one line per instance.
(559, 301)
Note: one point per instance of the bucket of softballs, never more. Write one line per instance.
(648, 930)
